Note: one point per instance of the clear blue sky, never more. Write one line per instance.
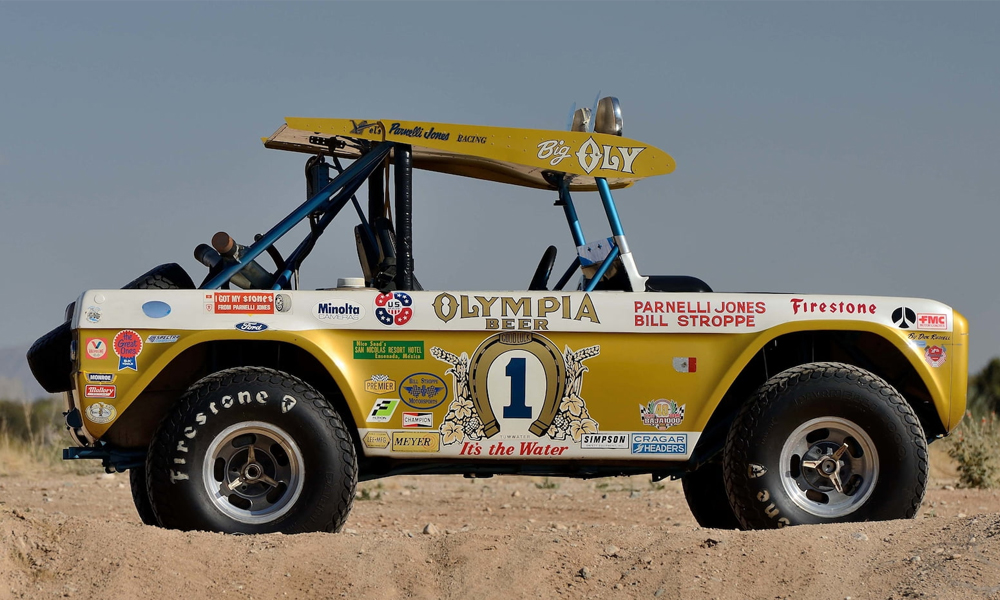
(821, 147)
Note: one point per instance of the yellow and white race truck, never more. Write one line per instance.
(247, 405)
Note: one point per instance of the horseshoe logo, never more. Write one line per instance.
(552, 363)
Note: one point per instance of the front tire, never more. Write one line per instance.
(140, 495)
(252, 450)
(825, 443)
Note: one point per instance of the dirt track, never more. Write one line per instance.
(78, 536)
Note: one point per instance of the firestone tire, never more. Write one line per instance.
(140, 495)
(252, 450)
(705, 492)
(825, 443)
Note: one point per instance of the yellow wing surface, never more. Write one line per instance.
(502, 154)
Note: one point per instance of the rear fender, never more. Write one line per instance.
(884, 351)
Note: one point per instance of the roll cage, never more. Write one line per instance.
(385, 247)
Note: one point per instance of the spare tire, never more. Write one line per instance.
(49, 357)
(170, 276)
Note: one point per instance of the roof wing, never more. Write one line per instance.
(502, 154)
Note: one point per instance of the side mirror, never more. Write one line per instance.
(581, 120)
(609, 116)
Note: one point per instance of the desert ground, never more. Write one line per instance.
(73, 535)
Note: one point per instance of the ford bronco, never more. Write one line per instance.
(245, 404)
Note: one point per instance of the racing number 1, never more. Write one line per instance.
(517, 409)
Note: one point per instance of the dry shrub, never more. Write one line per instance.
(975, 446)
(32, 436)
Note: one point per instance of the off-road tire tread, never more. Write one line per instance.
(168, 276)
(140, 495)
(741, 433)
(158, 459)
(705, 494)
(49, 359)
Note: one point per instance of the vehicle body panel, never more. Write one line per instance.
(653, 368)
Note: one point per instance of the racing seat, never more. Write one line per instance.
(378, 255)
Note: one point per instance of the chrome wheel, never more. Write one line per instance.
(253, 472)
(829, 467)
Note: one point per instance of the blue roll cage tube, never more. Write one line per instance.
(566, 201)
(343, 188)
(346, 183)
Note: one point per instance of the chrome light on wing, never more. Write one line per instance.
(609, 116)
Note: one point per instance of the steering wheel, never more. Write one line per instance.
(540, 280)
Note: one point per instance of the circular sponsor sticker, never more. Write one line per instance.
(393, 308)
(97, 348)
(127, 345)
(101, 412)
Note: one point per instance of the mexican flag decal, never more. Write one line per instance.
(685, 364)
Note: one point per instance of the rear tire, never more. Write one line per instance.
(252, 450)
(705, 492)
(825, 443)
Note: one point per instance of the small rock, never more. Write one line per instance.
(659, 592)
(635, 494)
(516, 494)
(404, 492)
(505, 506)
(616, 586)
(431, 529)
(949, 487)
(611, 550)
(962, 515)
(351, 531)
(558, 526)
(955, 557)
(585, 573)
(915, 559)
(646, 559)
(860, 536)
